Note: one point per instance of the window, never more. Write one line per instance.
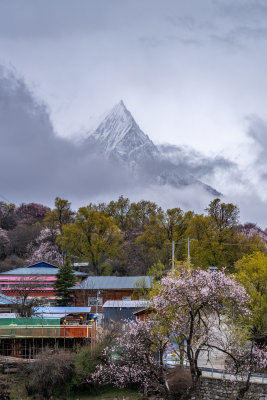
(126, 298)
(93, 301)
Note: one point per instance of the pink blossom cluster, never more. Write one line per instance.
(247, 358)
(251, 230)
(133, 358)
(45, 248)
(30, 213)
(4, 237)
(4, 241)
(194, 290)
(198, 295)
(196, 308)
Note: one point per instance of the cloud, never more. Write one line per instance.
(37, 165)
(258, 132)
(244, 10)
(245, 185)
(194, 162)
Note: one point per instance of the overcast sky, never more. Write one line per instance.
(191, 72)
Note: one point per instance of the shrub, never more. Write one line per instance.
(50, 373)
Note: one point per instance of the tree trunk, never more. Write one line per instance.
(163, 379)
(244, 389)
(195, 374)
(168, 394)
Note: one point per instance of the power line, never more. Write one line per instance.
(188, 240)
(4, 198)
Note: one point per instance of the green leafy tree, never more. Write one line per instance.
(93, 236)
(156, 271)
(119, 210)
(216, 238)
(251, 272)
(60, 215)
(129, 215)
(65, 279)
(8, 218)
(225, 215)
(140, 213)
(162, 229)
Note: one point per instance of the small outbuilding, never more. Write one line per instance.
(120, 310)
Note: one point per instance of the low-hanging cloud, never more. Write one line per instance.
(195, 162)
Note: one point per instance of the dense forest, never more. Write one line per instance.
(123, 237)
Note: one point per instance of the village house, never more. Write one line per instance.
(36, 280)
(95, 291)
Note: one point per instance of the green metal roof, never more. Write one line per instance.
(28, 321)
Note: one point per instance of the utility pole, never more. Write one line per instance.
(188, 240)
(188, 248)
(173, 248)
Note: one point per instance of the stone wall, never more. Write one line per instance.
(217, 389)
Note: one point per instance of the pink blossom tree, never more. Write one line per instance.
(31, 213)
(135, 357)
(4, 243)
(198, 310)
(45, 247)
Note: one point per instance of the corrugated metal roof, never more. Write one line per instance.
(62, 310)
(81, 264)
(40, 266)
(36, 271)
(8, 315)
(125, 304)
(6, 300)
(114, 282)
(46, 316)
(50, 316)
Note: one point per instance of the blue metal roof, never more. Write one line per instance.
(6, 299)
(114, 282)
(42, 264)
(41, 268)
(62, 310)
(46, 316)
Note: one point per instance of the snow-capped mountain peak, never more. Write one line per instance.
(119, 137)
